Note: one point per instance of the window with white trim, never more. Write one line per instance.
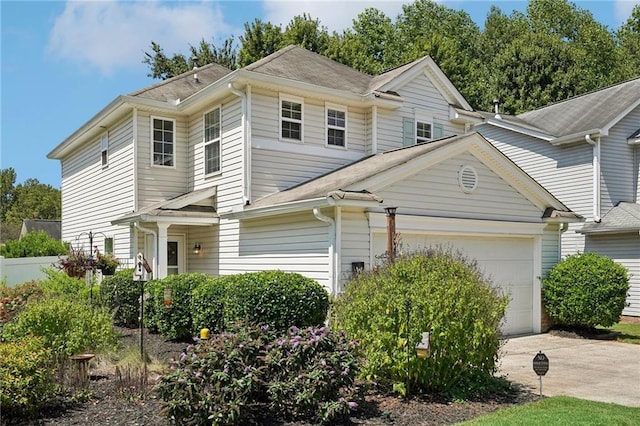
(336, 126)
(104, 150)
(212, 125)
(163, 137)
(291, 110)
(423, 131)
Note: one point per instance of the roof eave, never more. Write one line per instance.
(507, 125)
(579, 137)
(462, 116)
(608, 230)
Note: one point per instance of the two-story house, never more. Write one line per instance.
(296, 162)
(584, 150)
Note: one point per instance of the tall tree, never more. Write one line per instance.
(306, 32)
(7, 196)
(259, 40)
(628, 36)
(34, 200)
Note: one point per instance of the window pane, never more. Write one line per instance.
(335, 137)
(335, 118)
(291, 110)
(168, 148)
(168, 125)
(423, 131)
(212, 125)
(212, 157)
(157, 124)
(291, 130)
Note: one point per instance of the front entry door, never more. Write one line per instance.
(175, 254)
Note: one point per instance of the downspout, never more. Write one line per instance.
(596, 176)
(332, 250)
(374, 129)
(154, 262)
(245, 148)
(135, 158)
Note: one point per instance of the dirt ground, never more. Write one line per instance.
(108, 401)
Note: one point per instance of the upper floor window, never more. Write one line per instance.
(336, 126)
(104, 150)
(163, 142)
(291, 110)
(423, 132)
(212, 141)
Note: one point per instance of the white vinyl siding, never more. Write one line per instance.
(420, 96)
(212, 123)
(160, 183)
(92, 196)
(163, 141)
(492, 199)
(354, 243)
(623, 249)
(292, 243)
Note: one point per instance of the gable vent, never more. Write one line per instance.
(468, 178)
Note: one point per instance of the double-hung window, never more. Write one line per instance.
(163, 132)
(291, 110)
(423, 132)
(104, 150)
(212, 125)
(336, 126)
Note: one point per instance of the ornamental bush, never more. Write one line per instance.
(33, 244)
(252, 374)
(174, 321)
(436, 291)
(275, 298)
(14, 299)
(66, 327)
(586, 290)
(26, 375)
(208, 300)
(121, 294)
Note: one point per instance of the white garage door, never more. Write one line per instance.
(507, 261)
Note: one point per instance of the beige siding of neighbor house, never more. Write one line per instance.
(617, 163)
(623, 249)
(421, 99)
(493, 198)
(565, 171)
(355, 242)
(293, 243)
(279, 164)
(92, 195)
(159, 183)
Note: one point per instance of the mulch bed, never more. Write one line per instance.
(108, 405)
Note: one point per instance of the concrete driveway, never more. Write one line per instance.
(588, 369)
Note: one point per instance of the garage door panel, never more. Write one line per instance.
(506, 261)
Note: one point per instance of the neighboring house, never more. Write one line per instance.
(290, 162)
(51, 227)
(585, 151)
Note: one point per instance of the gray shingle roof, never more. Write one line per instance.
(595, 110)
(184, 85)
(298, 64)
(625, 217)
(50, 226)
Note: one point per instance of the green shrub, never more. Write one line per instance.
(121, 294)
(256, 373)
(66, 327)
(434, 291)
(586, 290)
(208, 299)
(33, 244)
(278, 299)
(14, 299)
(174, 321)
(59, 283)
(27, 376)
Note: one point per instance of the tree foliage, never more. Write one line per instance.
(551, 52)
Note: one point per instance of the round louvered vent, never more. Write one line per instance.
(468, 178)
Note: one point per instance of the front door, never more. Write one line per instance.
(175, 254)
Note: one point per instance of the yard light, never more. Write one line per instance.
(423, 347)
(167, 293)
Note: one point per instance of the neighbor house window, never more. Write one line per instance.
(423, 132)
(291, 110)
(108, 245)
(336, 126)
(163, 142)
(104, 150)
(212, 141)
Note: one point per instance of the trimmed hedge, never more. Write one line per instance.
(121, 294)
(586, 290)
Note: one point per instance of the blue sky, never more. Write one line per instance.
(62, 62)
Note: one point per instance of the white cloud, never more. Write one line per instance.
(623, 10)
(110, 35)
(334, 14)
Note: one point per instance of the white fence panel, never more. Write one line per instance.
(16, 271)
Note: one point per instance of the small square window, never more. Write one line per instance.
(423, 132)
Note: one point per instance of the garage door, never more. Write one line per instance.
(507, 261)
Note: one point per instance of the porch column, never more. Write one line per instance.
(162, 250)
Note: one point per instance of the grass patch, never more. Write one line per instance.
(562, 410)
(630, 333)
